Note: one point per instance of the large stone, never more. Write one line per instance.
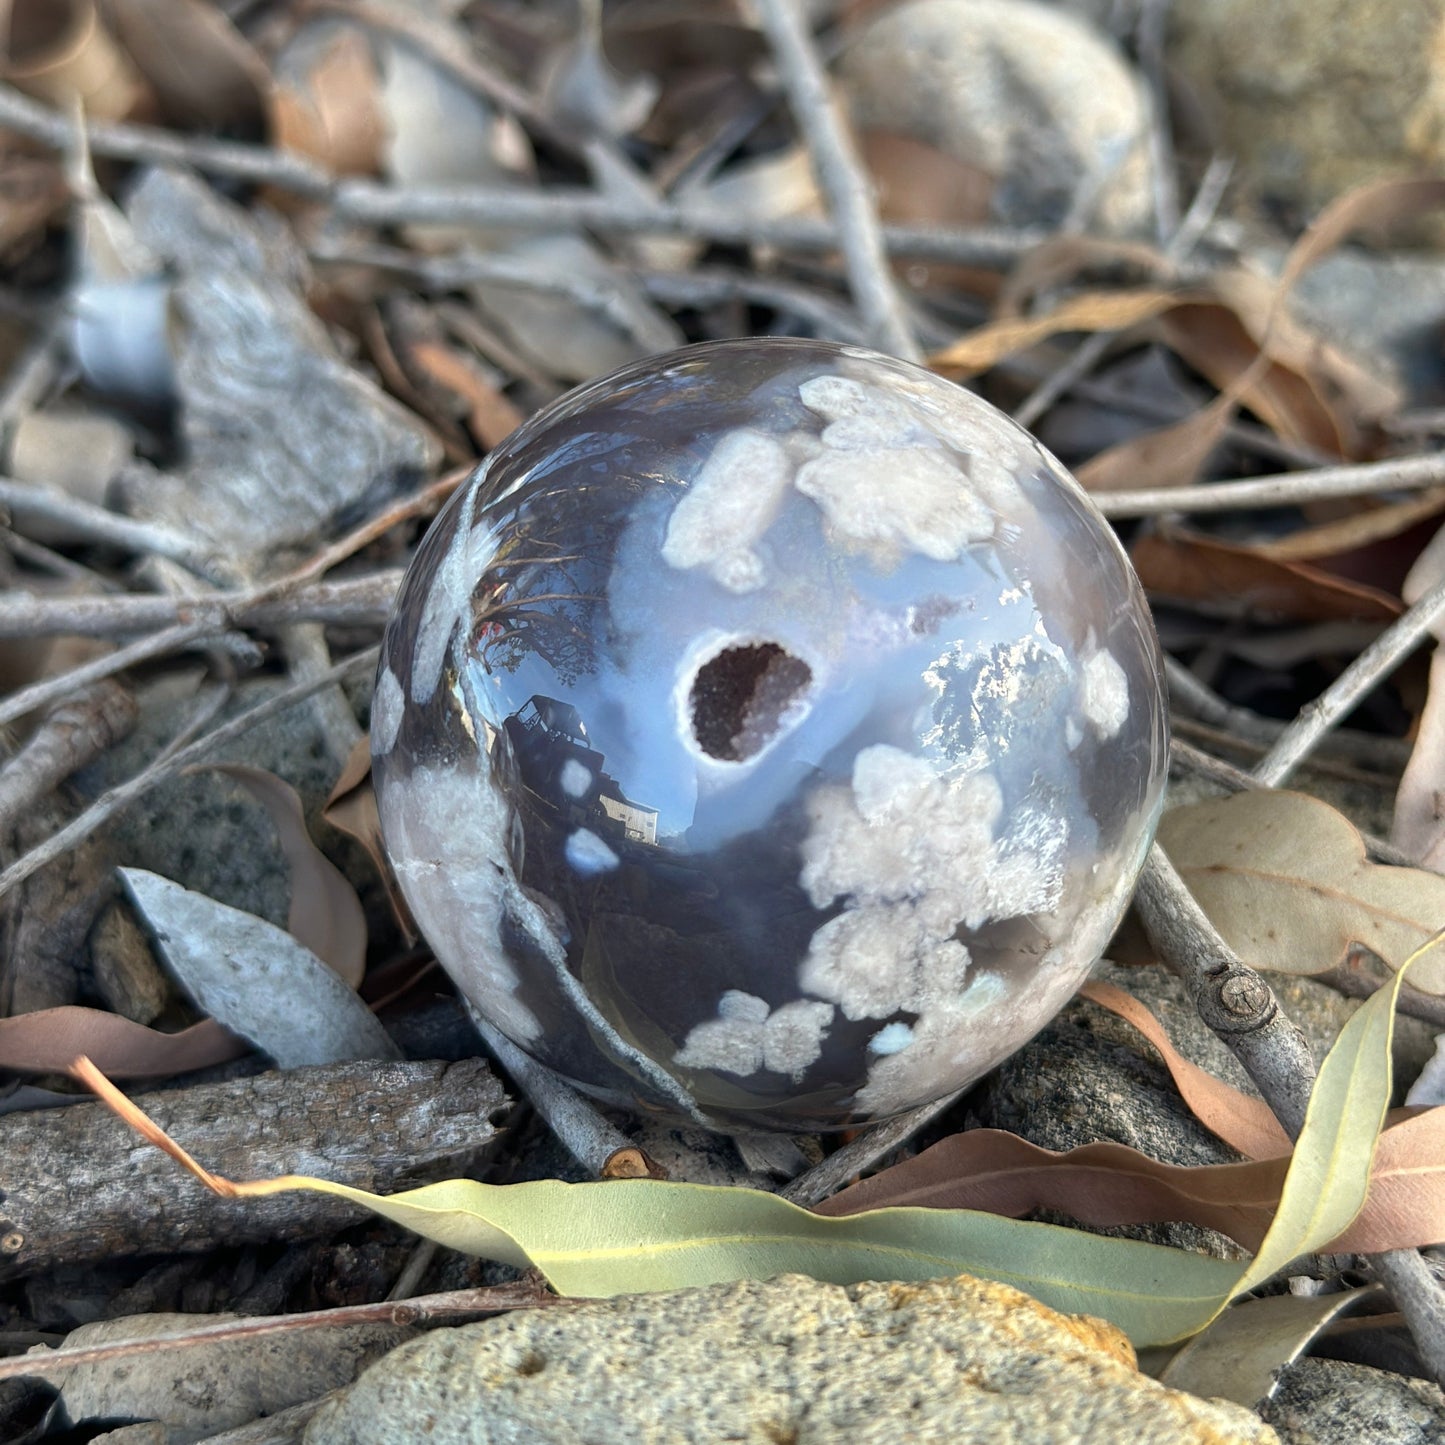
(1312, 97)
(1329, 1402)
(791, 1359)
(195, 1391)
(1038, 102)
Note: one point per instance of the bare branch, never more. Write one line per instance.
(841, 175)
(1285, 489)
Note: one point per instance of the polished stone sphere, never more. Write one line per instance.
(769, 734)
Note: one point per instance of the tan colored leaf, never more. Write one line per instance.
(48, 1041)
(204, 73)
(1172, 456)
(326, 915)
(917, 183)
(351, 809)
(1374, 522)
(1089, 311)
(1242, 1121)
(491, 417)
(1285, 879)
(336, 115)
(1177, 563)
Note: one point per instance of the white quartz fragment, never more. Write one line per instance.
(733, 500)
(748, 1036)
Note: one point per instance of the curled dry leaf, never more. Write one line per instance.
(1191, 566)
(351, 809)
(627, 1235)
(203, 72)
(1242, 1121)
(1242, 1355)
(1418, 825)
(1285, 879)
(334, 114)
(47, 1042)
(326, 915)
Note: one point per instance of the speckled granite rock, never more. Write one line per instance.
(960, 1360)
(1312, 97)
(1328, 1402)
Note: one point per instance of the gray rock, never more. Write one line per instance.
(1313, 97)
(207, 1387)
(791, 1359)
(281, 437)
(1387, 310)
(1328, 1402)
(1032, 97)
(202, 829)
(1090, 1076)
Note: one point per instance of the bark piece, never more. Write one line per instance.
(76, 1184)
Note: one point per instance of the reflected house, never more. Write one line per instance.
(559, 764)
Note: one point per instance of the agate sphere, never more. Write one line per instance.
(769, 734)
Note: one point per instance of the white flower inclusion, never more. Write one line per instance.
(732, 501)
(914, 853)
(748, 1036)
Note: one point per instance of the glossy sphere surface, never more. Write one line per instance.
(769, 734)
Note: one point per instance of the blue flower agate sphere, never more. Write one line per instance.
(769, 734)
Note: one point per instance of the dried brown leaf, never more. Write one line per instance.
(1286, 880)
(917, 183)
(490, 415)
(335, 115)
(1089, 311)
(48, 1041)
(1242, 1121)
(326, 915)
(1105, 1185)
(1419, 822)
(205, 74)
(351, 809)
(1192, 567)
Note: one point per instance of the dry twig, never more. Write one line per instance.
(842, 177)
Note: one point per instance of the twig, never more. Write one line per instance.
(75, 734)
(33, 374)
(97, 524)
(1231, 998)
(826, 1178)
(1242, 1010)
(118, 798)
(52, 689)
(598, 1146)
(555, 209)
(420, 1310)
(1338, 700)
(1285, 489)
(1189, 693)
(840, 174)
(118, 140)
(363, 601)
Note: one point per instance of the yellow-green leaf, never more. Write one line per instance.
(627, 1236)
(1285, 879)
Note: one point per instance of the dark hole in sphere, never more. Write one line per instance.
(739, 697)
